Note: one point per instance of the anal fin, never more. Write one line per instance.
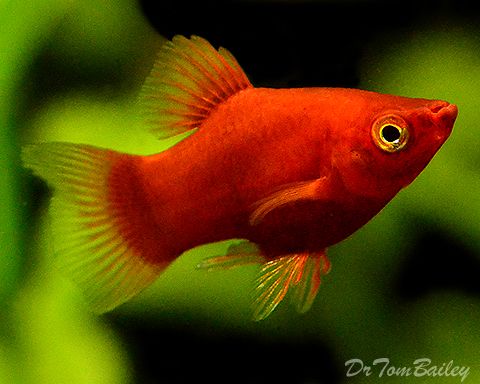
(305, 288)
(301, 273)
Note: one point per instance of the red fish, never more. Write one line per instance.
(290, 172)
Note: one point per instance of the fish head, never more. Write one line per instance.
(399, 137)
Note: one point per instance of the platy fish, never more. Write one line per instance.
(286, 172)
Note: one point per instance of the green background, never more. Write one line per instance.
(102, 51)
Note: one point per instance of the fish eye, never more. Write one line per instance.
(390, 133)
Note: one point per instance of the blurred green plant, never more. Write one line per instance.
(46, 336)
(18, 43)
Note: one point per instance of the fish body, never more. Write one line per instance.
(289, 171)
(260, 140)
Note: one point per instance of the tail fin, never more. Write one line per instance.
(98, 244)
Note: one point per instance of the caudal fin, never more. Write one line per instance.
(96, 241)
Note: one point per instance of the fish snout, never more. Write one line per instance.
(443, 114)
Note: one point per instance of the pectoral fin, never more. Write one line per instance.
(305, 190)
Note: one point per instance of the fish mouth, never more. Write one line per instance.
(443, 114)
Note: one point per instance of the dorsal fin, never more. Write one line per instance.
(188, 81)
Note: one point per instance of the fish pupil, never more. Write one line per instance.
(391, 133)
